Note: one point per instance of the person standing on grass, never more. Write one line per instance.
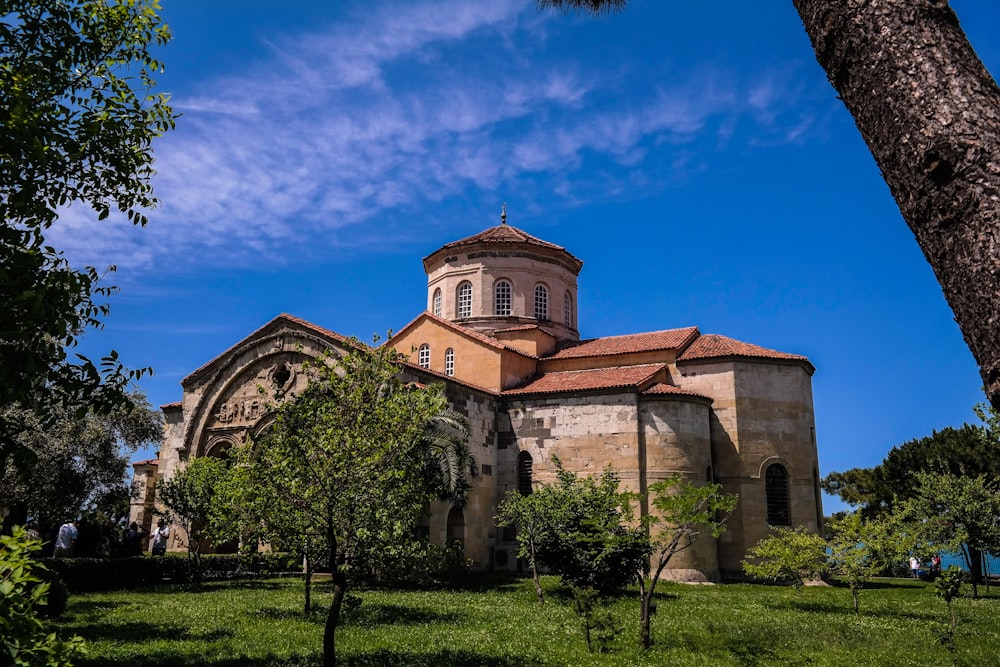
(159, 537)
(915, 566)
(66, 540)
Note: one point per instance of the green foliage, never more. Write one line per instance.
(948, 586)
(859, 549)
(792, 556)
(24, 639)
(343, 467)
(493, 620)
(77, 118)
(957, 513)
(78, 463)
(191, 497)
(580, 528)
(968, 451)
(597, 622)
(681, 511)
(108, 574)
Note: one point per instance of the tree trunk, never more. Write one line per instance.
(309, 574)
(854, 594)
(534, 576)
(930, 114)
(644, 639)
(333, 617)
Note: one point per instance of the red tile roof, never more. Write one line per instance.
(710, 346)
(465, 331)
(172, 406)
(661, 388)
(504, 234)
(671, 339)
(147, 462)
(602, 378)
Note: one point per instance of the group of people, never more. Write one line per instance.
(109, 543)
(917, 567)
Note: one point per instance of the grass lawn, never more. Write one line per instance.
(496, 622)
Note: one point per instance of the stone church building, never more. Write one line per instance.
(501, 332)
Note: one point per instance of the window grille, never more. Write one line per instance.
(501, 299)
(424, 356)
(776, 490)
(465, 300)
(449, 361)
(541, 303)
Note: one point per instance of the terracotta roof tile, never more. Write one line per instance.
(670, 339)
(503, 233)
(147, 462)
(172, 406)
(709, 346)
(447, 378)
(661, 388)
(466, 331)
(602, 378)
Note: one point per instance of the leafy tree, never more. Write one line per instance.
(965, 453)
(24, 640)
(957, 513)
(531, 515)
(948, 586)
(77, 118)
(788, 555)
(936, 156)
(681, 512)
(859, 549)
(584, 530)
(191, 497)
(78, 463)
(346, 458)
(449, 463)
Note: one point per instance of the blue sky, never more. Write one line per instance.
(693, 155)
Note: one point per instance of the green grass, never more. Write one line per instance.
(497, 623)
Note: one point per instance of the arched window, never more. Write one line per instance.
(464, 300)
(449, 361)
(437, 302)
(424, 356)
(776, 490)
(501, 298)
(541, 302)
(567, 309)
(456, 526)
(524, 474)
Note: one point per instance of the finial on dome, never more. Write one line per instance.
(503, 214)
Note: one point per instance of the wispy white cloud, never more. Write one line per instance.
(393, 108)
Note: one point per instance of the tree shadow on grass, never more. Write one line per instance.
(138, 632)
(85, 607)
(379, 658)
(373, 614)
(444, 658)
(173, 660)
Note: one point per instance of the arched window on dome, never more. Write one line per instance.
(568, 309)
(436, 301)
(464, 300)
(424, 356)
(524, 474)
(501, 298)
(449, 361)
(776, 490)
(541, 302)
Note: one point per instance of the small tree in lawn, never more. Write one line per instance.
(191, 498)
(584, 530)
(793, 556)
(346, 458)
(532, 515)
(682, 511)
(860, 549)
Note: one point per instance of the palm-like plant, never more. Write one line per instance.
(447, 457)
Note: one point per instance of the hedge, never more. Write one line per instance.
(104, 574)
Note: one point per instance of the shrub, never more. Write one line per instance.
(24, 638)
(103, 574)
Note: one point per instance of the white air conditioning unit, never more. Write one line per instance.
(504, 558)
